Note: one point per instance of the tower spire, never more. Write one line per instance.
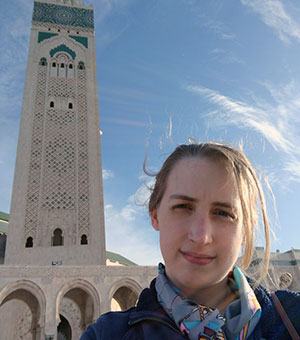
(57, 202)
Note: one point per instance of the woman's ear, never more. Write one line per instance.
(154, 219)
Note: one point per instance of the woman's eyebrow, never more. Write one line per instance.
(192, 199)
(183, 197)
(223, 204)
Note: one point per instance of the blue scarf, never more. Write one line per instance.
(200, 322)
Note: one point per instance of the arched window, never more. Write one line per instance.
(43, 62)
(57, 238)
(54, 64)
(29, 242)
(84, 239)
(51, 104)
(81, 65)
(62, 65)
(70, 66)
(70, 106)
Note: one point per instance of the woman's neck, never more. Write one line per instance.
(218, 296)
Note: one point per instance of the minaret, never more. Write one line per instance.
(56, 215)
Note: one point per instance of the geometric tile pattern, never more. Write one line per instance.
(83, 173)
(61, 28)
(62, 48)
(45, 35)
(59, 175)
(63, 15)
(32, 203)
(59, 163)
(61, 87)
(82, 40)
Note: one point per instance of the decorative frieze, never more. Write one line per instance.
(62, 15)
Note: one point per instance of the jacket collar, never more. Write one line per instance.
(148, 308)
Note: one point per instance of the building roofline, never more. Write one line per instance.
(4, 216)
(119, 258)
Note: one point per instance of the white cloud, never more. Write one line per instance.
(277, 121)
(225, 56)
(109, 7)
(132, 238)
(106, 174)
(292, 166)
(129, 231)
(129, 213)
(218, 51)
(218, 27)
(141, 196)
(274, 15)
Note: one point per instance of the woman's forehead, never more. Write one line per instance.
(199, 166)
(193, 174)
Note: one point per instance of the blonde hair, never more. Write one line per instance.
(248, 185)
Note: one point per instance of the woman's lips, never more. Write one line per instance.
(200, 259)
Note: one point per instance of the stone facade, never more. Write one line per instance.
(38, 300)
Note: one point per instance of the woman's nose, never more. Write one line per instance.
(200, 230)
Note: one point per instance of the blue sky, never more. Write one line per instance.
(169, 70)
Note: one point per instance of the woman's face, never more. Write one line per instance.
(200, 224)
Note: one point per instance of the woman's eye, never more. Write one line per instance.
(182, 206)
(224, 213)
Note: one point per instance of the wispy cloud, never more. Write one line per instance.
(218, 51)
(225, 57)
(104, 10)
(107, 174)
(141, 196)
(129, 231)
(277, 121)
(129, 213)
(292, 166)
(274, 15)
(218, 27)
(126, 92)
(126, 122)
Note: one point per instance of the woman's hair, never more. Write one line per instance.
(248, 185)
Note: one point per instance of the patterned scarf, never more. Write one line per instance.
(200, 322)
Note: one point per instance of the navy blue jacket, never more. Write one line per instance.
(148, 321)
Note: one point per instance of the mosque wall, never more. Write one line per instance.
(42, 296)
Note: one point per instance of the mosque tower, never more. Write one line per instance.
(54, 281)
(57, 202)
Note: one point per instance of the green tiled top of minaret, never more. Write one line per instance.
(63, 15)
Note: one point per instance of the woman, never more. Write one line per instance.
(204, 205)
